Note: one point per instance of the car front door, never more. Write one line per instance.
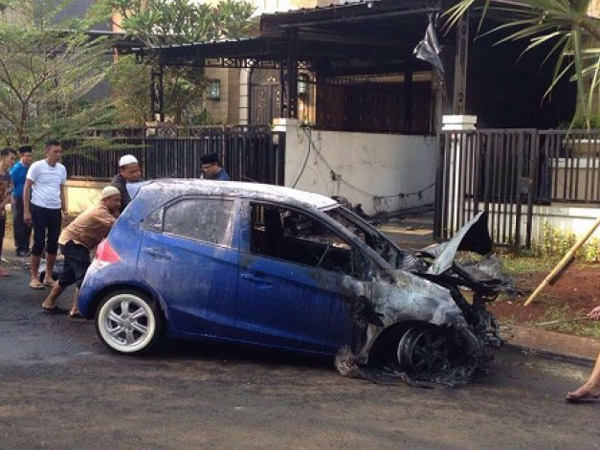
(189, 255)
(292, 268)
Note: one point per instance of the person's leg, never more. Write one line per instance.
(39, 236)
(19, 228)
(48, 278)
(591, 386)
(54, 223)
(80, 262)
(2, 229)
(15, 217)
(67, 278)
(74, 309)
(50, 301)
(26, 233)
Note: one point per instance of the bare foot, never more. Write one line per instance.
(46, 305)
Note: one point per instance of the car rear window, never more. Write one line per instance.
(206, 220)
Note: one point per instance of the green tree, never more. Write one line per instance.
(159, 22)
(564, 28)
(183, 89)
(130, 83)
(49, 68)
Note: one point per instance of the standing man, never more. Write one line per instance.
(18, 174)
(77, 240)
(43, 200)
(212, 168)
(129, 172)
(7, 159)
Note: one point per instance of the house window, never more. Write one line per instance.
(302, 85)
(213, 91)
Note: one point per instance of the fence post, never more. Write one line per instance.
(534, 167)
(438, 202)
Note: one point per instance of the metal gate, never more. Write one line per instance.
(265, 96)
(487, 170)
(251, 154)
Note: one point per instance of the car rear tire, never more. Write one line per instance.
(129, 322)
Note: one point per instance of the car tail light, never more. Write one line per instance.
(106, 255)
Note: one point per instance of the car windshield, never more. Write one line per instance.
(368, 234)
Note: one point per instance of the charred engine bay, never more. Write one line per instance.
(429, 323)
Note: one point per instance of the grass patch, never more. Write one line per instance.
(516, 264)
(585, 328)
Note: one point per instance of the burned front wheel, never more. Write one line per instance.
(422, 349)
(442, 354)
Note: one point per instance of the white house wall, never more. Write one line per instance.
(564, 217)
(567, 218)
(382, 172)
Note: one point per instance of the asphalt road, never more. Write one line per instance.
(59, 388)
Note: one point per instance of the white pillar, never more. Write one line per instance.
(460, 123)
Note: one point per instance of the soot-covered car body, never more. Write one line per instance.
(278, 267)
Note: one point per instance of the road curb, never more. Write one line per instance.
(552, 355)
(552, 344)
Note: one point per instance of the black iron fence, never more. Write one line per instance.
(506, 172)
(569, 166)
(247, 154)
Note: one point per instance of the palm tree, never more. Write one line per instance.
(571, 35)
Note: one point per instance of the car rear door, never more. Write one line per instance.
(287, 294)
(189, 255)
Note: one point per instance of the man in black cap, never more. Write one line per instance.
(212, 168)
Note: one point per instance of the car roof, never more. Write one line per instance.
(237, 189)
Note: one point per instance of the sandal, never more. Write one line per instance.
(36, 284)
(49, 282)
(582, 398)
(75, 315)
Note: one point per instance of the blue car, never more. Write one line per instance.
(277, 267)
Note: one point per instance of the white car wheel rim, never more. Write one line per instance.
(126, 323)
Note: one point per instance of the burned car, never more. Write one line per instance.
(278, 267)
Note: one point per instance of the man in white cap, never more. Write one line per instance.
(129, 172)
(77, 240)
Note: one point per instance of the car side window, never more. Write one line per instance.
(299, 238)
(201, 219)
(154, 221)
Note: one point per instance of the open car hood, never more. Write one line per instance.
(474, 236)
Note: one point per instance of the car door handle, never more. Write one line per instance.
(158, 253)
(256, 279)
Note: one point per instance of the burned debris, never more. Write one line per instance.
(433, 322)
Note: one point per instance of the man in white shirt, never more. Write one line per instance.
(43, 201)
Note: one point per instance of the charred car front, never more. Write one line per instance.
(278, 267)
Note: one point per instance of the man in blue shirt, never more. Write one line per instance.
(212, 168)
(18, 174)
